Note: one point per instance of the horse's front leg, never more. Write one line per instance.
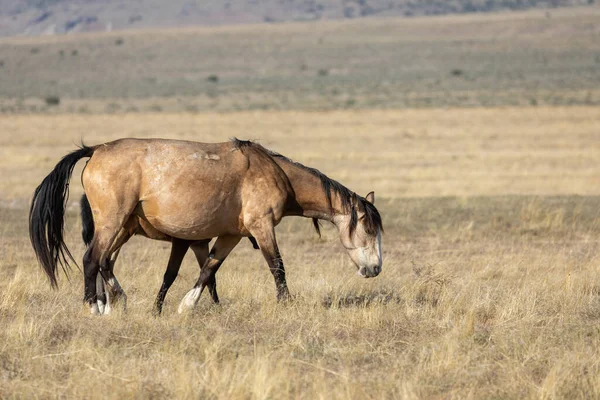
(218, 253)
(200, 250)
(113, 294)
(265, 236)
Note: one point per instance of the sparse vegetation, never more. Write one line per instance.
(490, 285)
(456, 72)
(379, 63)
(477, 292)
(52, 100)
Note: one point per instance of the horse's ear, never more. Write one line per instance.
(370, 197)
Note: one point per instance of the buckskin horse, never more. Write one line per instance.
(194, 192)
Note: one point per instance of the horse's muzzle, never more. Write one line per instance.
(369, 272)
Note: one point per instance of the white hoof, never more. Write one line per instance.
(189, 300)
(94, 309)
(107, 309)
(101, 307)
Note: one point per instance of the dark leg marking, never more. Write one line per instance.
(178, 249)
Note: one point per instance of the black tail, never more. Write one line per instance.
(87, 221)
(46, 215)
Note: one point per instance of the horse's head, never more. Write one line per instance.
(360, 233)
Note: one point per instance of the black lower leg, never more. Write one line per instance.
(212, 288)
(209, 269)
(178, 250)
(280, 283)
(268, 245)
(278, 271)
(113, 288)
(162, 293)
(90, 272)
(207, 277)
(201, 251)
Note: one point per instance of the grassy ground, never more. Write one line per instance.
(401, 153)
(490, 286)
(512, 59)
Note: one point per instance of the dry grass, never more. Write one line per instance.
(483, 295)
(398, 153)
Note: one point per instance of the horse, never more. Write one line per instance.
(139, 227)
(196, 191)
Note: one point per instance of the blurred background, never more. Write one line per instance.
(148, 55)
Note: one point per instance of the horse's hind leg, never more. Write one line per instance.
(101, 295)
(218, 253)
(107, 234)
(114, 292)
(106, 291)
(92, 260)
(117, 294)
(178, 249)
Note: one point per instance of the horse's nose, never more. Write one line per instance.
(369, 272)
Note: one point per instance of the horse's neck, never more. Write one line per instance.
(311, 201)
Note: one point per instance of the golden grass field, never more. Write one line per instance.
(490, 285)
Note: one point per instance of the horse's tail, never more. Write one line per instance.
(87, 221)
(46, 215)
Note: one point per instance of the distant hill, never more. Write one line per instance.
(529, 58)
(40, 17)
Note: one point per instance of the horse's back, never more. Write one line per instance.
(184, 189)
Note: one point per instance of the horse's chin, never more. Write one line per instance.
(359, 273)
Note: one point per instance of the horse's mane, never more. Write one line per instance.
(372, 218)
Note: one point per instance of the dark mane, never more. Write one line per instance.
(241, 144)
(372, 218)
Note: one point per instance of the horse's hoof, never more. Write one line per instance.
(285, 298)
(190, 300)
(94, 310)
(101, 307)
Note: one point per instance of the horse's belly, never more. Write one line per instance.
(192, 222)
